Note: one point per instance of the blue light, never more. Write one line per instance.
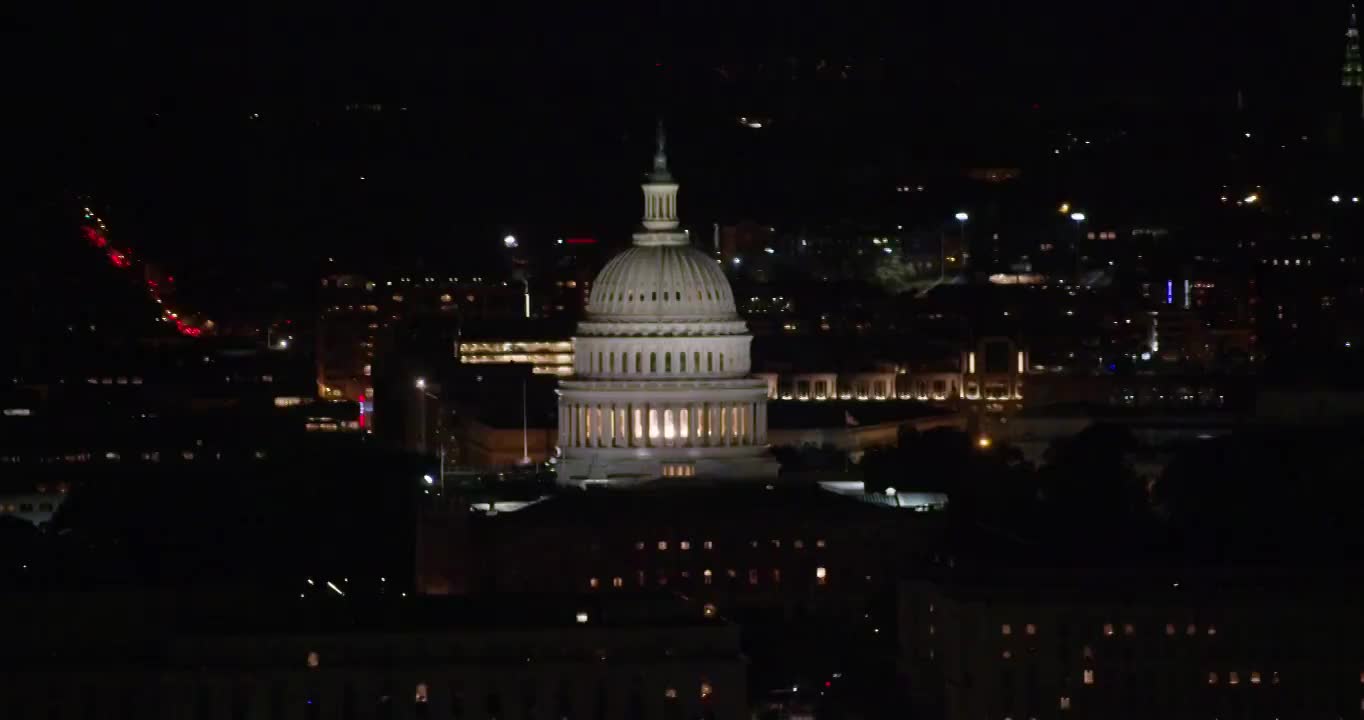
(1169, 292)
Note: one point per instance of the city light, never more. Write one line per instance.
(509, 241)
(283, 344)
(1065, 208)
(769, 251)
(984, 442)
(1252, 198)
(421, 383)
(962, 216)
(1077, 216)
(428, 480)
(736, 261)
(1335, 198)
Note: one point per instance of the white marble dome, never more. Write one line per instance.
(661, 282)
(661, 385)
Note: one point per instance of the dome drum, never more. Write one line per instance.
(626, 358)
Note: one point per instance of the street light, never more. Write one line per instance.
(509, 241)
(422, 395)
(1079, 219)
(1335, 198)
(961, 217)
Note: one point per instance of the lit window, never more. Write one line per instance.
(617, 582)
(594, 583)
(684, 545)
(1233, 678)
(639, 545)
(821, 575)
(819, 543)
(1006, 629)
(1254, 677)
(422, 694)
(1030, 629)
(1006, 655)
(662, 544)
(313, 660)
(707, 575)
(706, 690)
(752, 577)
(708, 610)
(1128, 629)
(1169, 628)
(1212, 678)
(1191, 629)
(1212, 629)
(670, 693)
(1108, 629)
(708, 545)
(1089, 677)
(1065, 702)
(581, 618)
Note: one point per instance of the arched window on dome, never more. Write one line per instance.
(678, 295)
(722, 362)
(639, 359)
(710, 362)
(653, 362)
(667, 362)
(611, 361)
(696, 361)
(682, 362)
(600, 365)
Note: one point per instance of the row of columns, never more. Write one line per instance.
(645, 424)
(660, 206)
(654, 362)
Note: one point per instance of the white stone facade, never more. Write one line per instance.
(661, 384)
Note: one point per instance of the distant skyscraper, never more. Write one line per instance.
(1352, 71)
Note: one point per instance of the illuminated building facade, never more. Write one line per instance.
(661, 384)
(546, 357)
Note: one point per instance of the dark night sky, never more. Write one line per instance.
(525, 113)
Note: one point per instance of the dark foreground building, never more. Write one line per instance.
(177, 657)
(1141, 643)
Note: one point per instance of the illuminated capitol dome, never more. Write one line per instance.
(661, 385)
